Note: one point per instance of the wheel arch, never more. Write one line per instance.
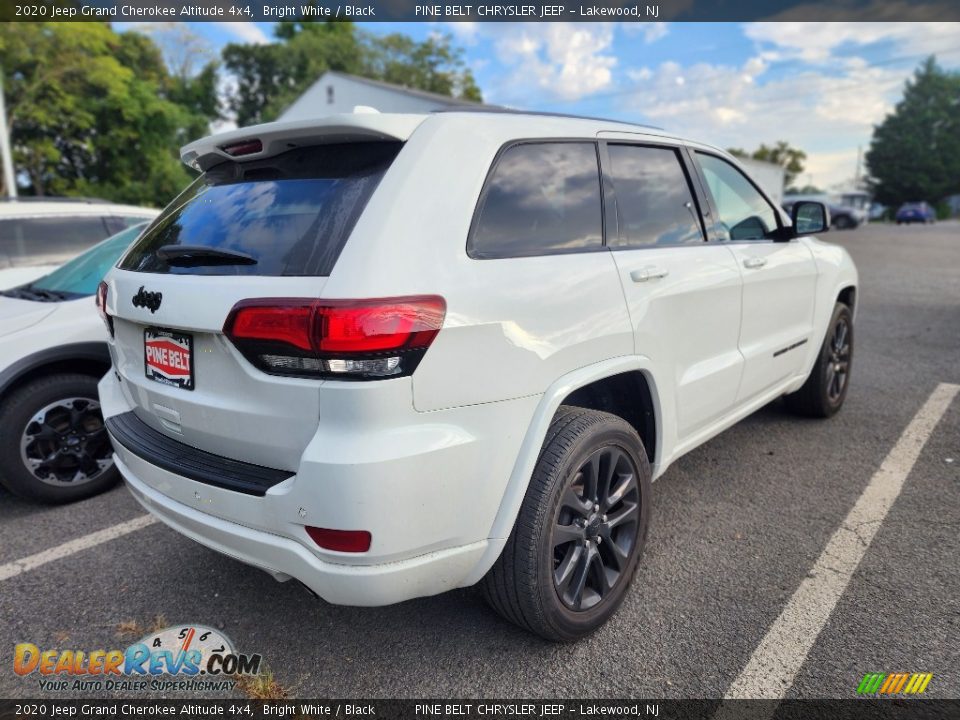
(848, 296)
(592, 387)
(88, 358)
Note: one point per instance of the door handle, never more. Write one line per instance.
(755, 262)
(648, 273)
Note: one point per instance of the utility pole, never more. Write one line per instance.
(856, 175)
(8, 179)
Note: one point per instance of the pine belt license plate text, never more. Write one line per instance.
(168, 357)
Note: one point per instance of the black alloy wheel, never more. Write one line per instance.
(838, 366)
(825, 389)
(594, 533)
(55, 447)
(581, 529)
(66, 443)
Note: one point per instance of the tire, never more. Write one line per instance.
(843, 222)
(70, 432)
(823, 393)
(527, 585)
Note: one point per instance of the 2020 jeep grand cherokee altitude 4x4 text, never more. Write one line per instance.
(391, 355)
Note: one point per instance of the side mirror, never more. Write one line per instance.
(809, 218)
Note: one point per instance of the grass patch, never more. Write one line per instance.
(129, 628)
(263, 686)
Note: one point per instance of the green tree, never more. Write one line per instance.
(270, 77)
(915, 151)
(434, 65)
(790, 159)
(92, 112)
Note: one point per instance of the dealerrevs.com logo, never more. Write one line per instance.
(180, 657)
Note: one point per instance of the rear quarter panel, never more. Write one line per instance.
(513, 326)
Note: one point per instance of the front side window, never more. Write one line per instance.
(744, 214)
(654, 202)
(542, 198)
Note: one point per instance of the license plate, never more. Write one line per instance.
(168, 357)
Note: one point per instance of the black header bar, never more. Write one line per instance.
(472, 11)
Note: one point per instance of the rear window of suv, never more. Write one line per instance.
(286, 215)
(542, 198)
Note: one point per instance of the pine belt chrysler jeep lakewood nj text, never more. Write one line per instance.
(391, 355)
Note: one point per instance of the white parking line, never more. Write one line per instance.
(781, 653)
(74, 546)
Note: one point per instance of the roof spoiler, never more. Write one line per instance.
(263, 141)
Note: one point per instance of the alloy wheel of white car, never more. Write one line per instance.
(65, 443)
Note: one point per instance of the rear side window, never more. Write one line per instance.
(48, 240)
(286, 215)
(542, 199)
(654, 201)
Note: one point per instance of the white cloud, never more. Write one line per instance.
(465, 32)
(732, 106)
(827, 169)
(549, 61)
(650, 31)
(246, 31)
(817, 42)
(827, 104)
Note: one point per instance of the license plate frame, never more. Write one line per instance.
(167, 367)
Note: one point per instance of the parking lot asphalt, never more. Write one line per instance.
(737, 526)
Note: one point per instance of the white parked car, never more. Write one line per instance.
(37, 235)
(391, 355)
(53, 350)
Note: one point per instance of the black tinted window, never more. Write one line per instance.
(654, 202)
(47, 240)
(542, 198)
(292, 213)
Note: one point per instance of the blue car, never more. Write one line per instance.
(919, 212)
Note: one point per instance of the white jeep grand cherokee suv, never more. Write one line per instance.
(391, 355)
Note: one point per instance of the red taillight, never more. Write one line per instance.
(284, 324)
(336, 338)
(378, 325)
(353, 541)
(102, 306)
(246, 147)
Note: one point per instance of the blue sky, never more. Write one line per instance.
(819, 86)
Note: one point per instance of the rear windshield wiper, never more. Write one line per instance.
(194, 255)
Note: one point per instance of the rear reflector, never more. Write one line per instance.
(358, 339)
(353, 541)
(247, 147)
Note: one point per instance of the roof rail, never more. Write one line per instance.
(539, 113)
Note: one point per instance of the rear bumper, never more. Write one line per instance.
(427, 486)
(284, 558)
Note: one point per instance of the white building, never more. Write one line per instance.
(337, 92)
(768, 176)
